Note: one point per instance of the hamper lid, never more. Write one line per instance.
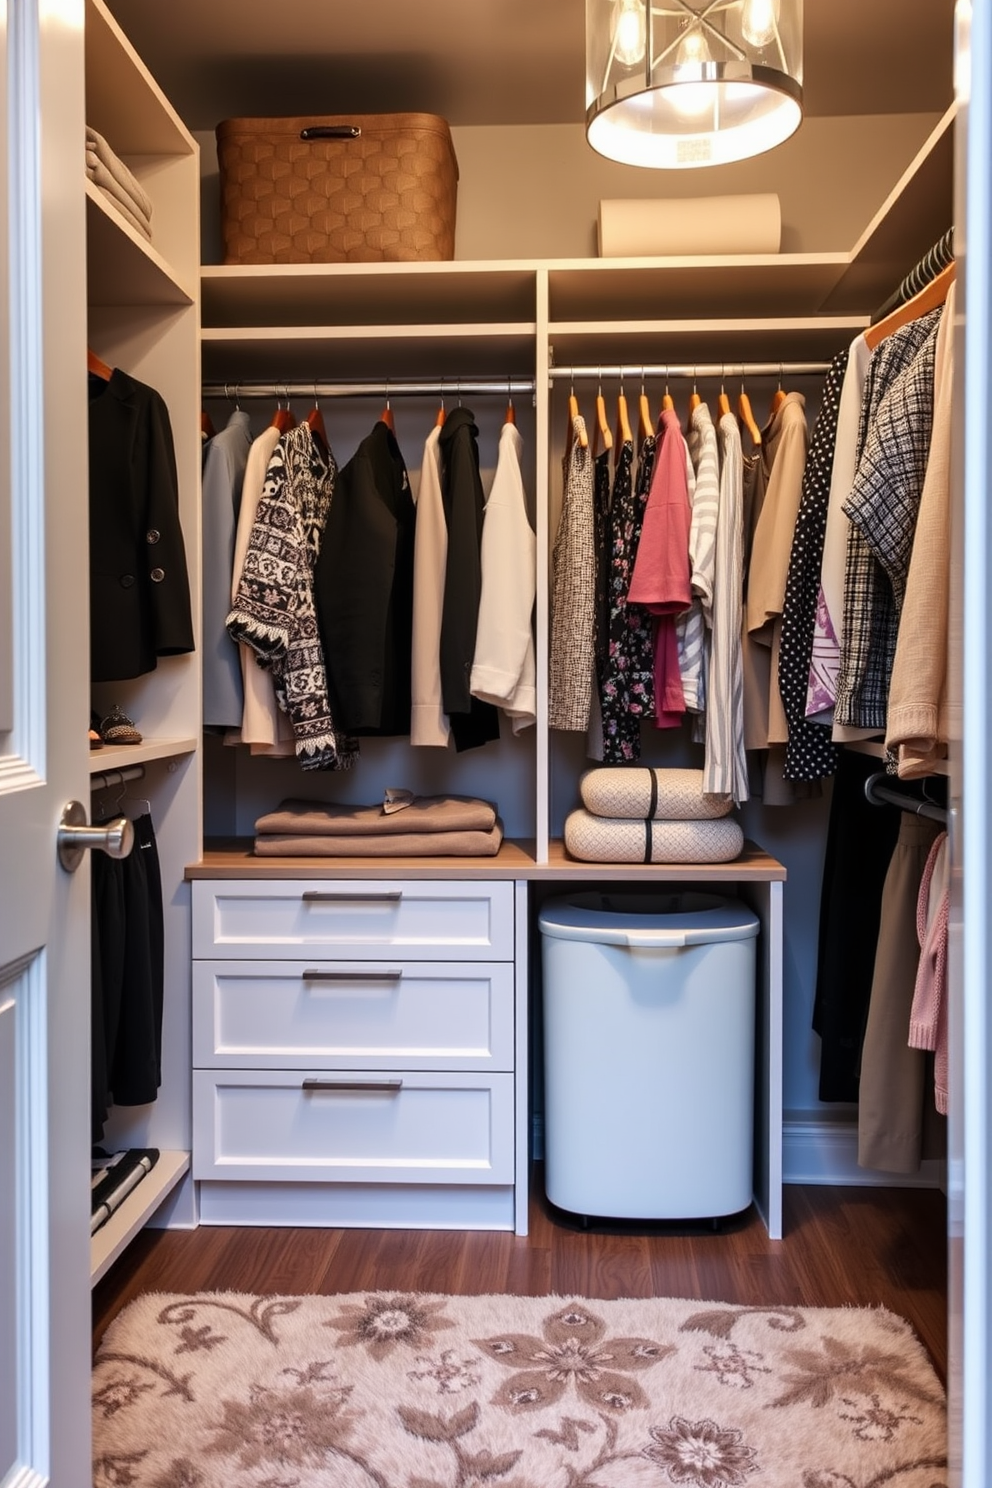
(648, 920)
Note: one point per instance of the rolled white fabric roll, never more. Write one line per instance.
(669, 227)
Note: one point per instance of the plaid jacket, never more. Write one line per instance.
(894, 440)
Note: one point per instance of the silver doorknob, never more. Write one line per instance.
(116, 838)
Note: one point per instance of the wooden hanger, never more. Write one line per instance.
(441, 415)
(645, 425)
(746, 415)
(283, 418)
(602, 423)
(386, 416)
(667, 401)
(316, 421)
(929, 297)
(573, 414)
(624, 435)
(722, 402)
(206, 425)
(97, 367)
(694, 397)
(511, 415)
(778, 396)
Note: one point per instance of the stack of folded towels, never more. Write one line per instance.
(111, 176)
(634, 814)
(404, 825)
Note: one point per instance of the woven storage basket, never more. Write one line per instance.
(359, 188)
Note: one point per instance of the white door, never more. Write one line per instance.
(44, 712)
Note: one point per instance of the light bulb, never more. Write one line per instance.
(692, 99)
(759, 21)
(692, 50)
(629, 32)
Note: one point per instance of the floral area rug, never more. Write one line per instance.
(390, 1390)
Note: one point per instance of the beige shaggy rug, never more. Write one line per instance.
(393, 1390)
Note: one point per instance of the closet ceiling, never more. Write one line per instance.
(482, 62)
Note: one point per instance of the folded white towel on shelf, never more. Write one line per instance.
(136, 222)
(97, 146)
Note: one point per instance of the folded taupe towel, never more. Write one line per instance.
(100, 176)
(97, 145)
(423, 814)
(125, 212)
(464, 844)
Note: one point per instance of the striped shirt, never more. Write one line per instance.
(725, 767)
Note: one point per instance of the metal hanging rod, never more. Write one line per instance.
(879, 794)
(106, 779)
(450, 387)
(635, 370)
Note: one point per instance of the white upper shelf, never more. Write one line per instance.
(914, 216)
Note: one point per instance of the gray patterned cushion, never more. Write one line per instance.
(638, 791)
(597, 839)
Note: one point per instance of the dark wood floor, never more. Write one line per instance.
(842, 1247)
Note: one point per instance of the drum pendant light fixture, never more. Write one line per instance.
(679, 83)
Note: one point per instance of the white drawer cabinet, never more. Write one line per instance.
(359, 1052)
(424, 1015)
(373, 1127)
(420, 921)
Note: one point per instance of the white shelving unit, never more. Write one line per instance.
(446, 322)
(143, 317)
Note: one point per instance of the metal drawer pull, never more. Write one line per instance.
(390, 1086)
(387, 974)
(314, 896)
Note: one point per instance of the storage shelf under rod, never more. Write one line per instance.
(634, 370)
(451, 387)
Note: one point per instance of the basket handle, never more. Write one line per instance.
(331, 131)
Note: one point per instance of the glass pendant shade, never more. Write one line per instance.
(682, 83)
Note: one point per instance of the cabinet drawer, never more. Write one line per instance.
(353, 1015)
(427, 921)
(374, 1127)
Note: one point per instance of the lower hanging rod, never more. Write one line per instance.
(107, 779)
(635, 370)
(450, 387)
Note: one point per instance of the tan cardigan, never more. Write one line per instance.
(783, 449)
(916, 723)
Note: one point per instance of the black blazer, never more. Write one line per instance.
(363, 590)
(139, 585)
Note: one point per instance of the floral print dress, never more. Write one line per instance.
(627, 686)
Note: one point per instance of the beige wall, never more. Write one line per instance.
(534, 192)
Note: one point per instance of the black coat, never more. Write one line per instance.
(139, 585)
(472, 722)
(363, 590)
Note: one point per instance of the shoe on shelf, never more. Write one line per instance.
(95, 741)
(117, 728)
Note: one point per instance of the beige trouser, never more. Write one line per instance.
(897, 1121)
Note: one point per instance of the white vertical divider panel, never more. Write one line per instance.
(970, 928)
(521, 1064)
(143, 316)
(542, 396)
(766, 899)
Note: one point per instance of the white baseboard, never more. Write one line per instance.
(815, 1150)
(826, 1151)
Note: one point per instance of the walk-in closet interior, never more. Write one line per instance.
(432, 1120)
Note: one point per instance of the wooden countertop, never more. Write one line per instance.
(233, 858)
